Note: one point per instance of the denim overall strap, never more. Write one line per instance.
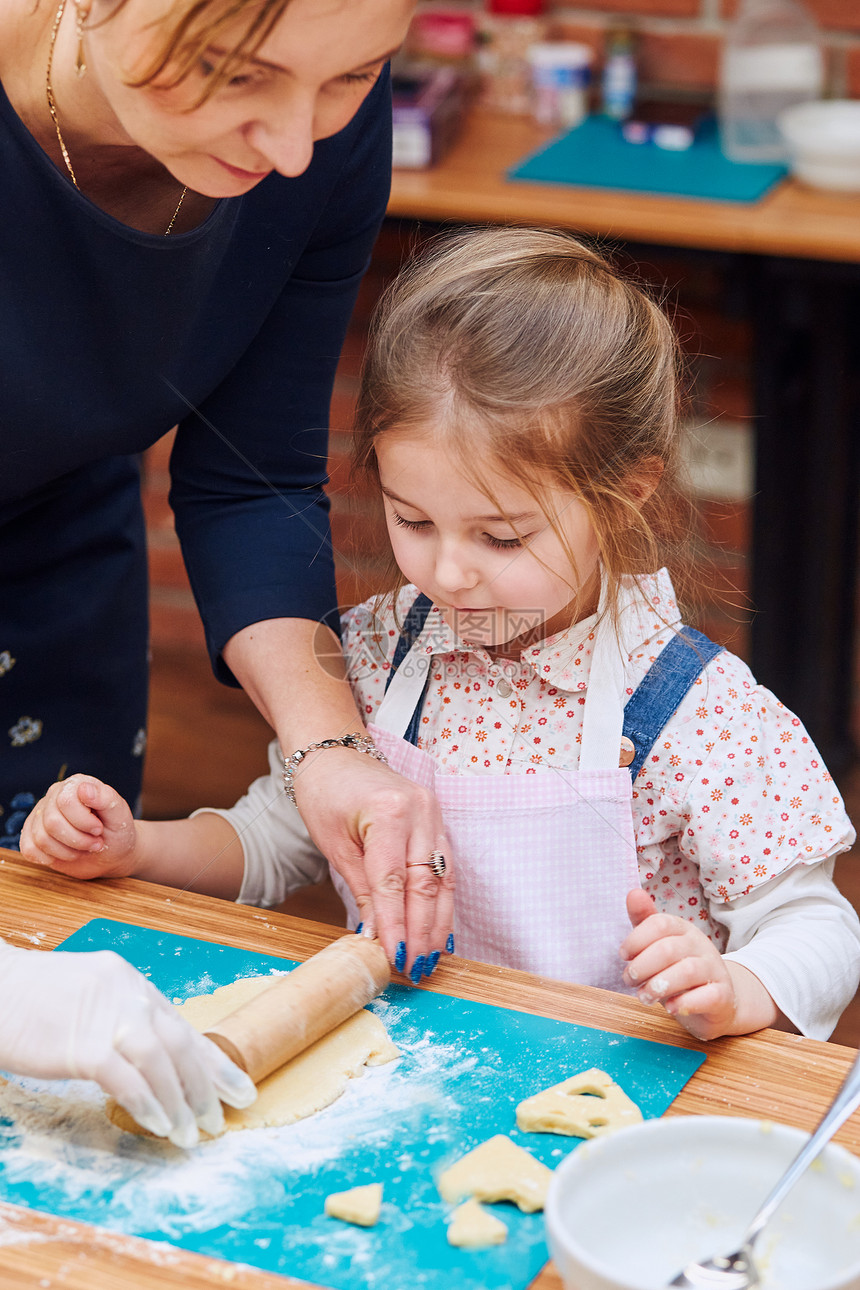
(412, 628)
(662, 689)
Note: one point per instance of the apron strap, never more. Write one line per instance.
(662, 689)
(413, 625)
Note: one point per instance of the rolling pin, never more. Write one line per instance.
(301, 1007)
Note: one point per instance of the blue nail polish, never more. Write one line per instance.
(449, 944)
(432, 960)
(358, 929)
(400, 956)
(417, 970)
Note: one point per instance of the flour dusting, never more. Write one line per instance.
(56, 1136)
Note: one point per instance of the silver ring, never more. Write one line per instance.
(437, 863)
(435, 860)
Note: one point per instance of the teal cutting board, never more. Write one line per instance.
(596, 155)
(257, 1197)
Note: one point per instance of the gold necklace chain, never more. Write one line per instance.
(52, 108)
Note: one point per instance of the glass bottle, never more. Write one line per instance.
(618, 89)
(771, 60)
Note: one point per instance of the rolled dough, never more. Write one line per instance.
(359, 1205)
(305, 1085)
(498, 1170)
(586, 1106)
(473, 1228)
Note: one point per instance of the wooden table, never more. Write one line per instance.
(771, 1075)
(469, 186)
(794, 257)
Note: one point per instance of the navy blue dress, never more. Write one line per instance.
(109, 338)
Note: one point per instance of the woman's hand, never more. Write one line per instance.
(376, 829)
(670, 961)
(372, 825)
(81, 828)
(94, 1016)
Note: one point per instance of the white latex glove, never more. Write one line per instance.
(94, 1016)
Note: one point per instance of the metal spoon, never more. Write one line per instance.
(738, 1271)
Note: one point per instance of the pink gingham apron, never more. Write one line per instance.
(544, 861)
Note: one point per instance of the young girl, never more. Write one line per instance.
(598, 763)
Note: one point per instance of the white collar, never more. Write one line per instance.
(646, 607)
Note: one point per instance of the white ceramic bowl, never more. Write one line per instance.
(823, 141)
(628, 1211)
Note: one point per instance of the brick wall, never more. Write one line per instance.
(679, 40)
(174, 621)
(678, 50)
(716, 341)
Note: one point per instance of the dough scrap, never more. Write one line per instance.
(473, 1228)
(588, 1105)
(359, 1205)
(305, 1085)
(498, 1170)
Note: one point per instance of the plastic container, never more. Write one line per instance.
(618, 88)
(504, 41)
(561, 73)
(771, 60)
(517, 8)
(824, 143)
(442, 36)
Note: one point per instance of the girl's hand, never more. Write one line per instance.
(375, 827)
(81, 828)
(670, 961)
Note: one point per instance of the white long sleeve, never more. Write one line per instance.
(801, 938)
(279, 854)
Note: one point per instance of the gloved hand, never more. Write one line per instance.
(94, 1016)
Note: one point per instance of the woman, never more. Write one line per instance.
(192, 190)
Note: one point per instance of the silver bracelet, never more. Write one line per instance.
(361, 743)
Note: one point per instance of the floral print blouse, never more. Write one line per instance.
(733, 793)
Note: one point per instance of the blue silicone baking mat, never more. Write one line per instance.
(596, 155)
(256, 1197)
